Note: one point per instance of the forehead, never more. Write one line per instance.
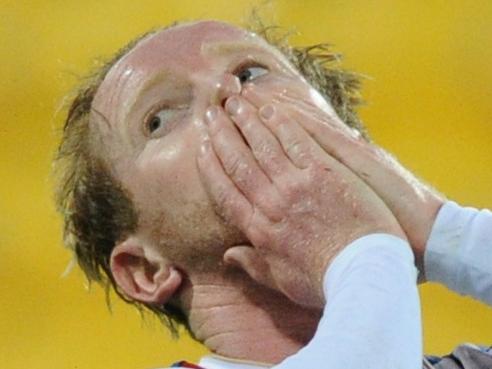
(182, 42)
(175, 48)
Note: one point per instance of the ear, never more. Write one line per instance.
(142, 273)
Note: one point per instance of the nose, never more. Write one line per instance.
(226, 86)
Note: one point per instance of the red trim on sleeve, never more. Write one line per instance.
(185, 364)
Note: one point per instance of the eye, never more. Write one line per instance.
(246, 74)
(154, 124)
(163, 119)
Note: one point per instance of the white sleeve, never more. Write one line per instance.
(372, 316)
(459, 251)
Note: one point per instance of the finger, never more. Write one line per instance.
(265, 146)
(296, 142)
(321, 110)
(333, 136)
(251, 261)
(231, 203)
(258, 96)
(302, 110)
(238, 162)
(278, 87)
(323, 125)
(327, 129)
(377, 168)
(323, 113)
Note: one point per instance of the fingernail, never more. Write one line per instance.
(267, 111)
(233, 106)
(211, 114)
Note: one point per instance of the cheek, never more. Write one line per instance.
(173, 204)
(167, 172)
(167, 188)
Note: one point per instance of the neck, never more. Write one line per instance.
(237, 318)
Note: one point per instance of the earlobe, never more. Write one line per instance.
(142, 274)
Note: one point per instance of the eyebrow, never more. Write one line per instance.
(220, 47)
(229, 46)
(264, 47)
(159, 78)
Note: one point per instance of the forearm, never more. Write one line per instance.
(459, 251)
(372, 315)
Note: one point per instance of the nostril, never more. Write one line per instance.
(223, 102)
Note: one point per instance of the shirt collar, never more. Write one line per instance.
(221, 362)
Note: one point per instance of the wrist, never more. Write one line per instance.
(419, 245)
(367, 250)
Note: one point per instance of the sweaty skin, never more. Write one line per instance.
(149, 118)
(414, 203)
(297, 205)
(176, 74)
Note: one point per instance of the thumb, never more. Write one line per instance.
(252, 262)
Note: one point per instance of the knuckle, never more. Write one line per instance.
(233, 165)
(296, 148)
(276, 122)
(273, 207)
(263, 148)
(317, 172)
(230, 212)
(292, 188)
(257, 236)
(276, 213)
(222, 198)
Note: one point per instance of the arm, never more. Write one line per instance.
(459, 251)
(372, 315)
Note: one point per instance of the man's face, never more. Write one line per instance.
(153, 102)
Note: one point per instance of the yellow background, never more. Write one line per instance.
(429, 103)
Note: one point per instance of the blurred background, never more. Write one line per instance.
(428, 96)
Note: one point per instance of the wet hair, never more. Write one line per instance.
(97, 210)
